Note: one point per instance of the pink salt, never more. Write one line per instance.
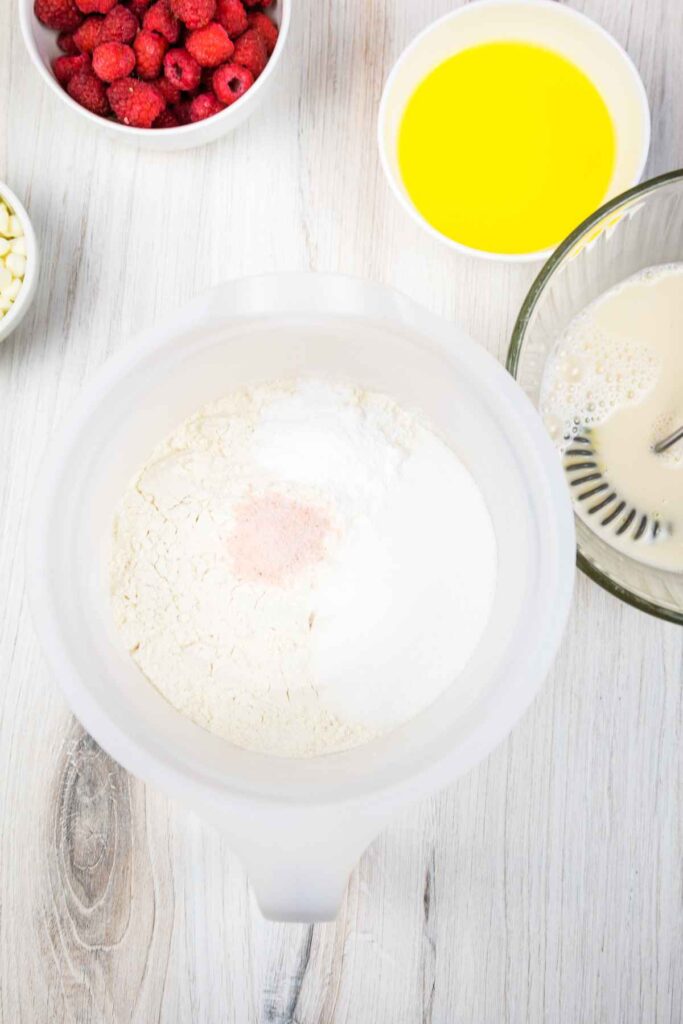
(275, 538)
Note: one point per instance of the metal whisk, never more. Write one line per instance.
(591, 486)
(669, 441)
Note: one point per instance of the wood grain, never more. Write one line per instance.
(547, 885)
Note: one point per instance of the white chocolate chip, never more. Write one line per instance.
(13, 253)
(16, 264)
(12, 290)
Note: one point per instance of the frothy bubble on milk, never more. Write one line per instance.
(590, 374)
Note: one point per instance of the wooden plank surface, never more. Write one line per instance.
(545, 886)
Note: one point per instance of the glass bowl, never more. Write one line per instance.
(640, 228)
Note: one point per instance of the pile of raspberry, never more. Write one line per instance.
(158, 63)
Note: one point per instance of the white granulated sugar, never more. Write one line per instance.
(302, 567)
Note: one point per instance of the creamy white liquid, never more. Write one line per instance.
(616, 378)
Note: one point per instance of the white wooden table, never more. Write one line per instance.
(545, 886)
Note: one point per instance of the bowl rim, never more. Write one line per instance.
(517, 341)
(28, 288)
(130, 131)
(557, 10)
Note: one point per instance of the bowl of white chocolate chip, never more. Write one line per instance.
(18, 261)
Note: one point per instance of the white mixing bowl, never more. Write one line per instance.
(300, 825)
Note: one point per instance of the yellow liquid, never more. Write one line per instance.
(506, 147)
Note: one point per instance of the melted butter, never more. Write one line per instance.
(506, 147)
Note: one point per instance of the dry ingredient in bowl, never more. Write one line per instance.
(302, 567)
(12, 258)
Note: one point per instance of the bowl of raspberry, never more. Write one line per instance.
(165, 74)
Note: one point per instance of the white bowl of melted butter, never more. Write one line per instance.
(505, 122)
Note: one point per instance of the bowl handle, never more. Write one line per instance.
(299, 860)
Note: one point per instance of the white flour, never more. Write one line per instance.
(301, 567)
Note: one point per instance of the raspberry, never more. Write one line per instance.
(266, 28)
(195, 13)
(170, 92)
(160, 18)
(231, 81)
(87, 37)
(87, 89)
(61, 15)
(135, 103)
(210, 46)
(258, 3)
(182, 111)
(232, 16)
(250, 52)
(65, 42)
(138, 7)
(119, 26)
(203, 106)
(149, 48)
(112, 60)
(182, 70)
(66, 67)
(166, 119)
(95, 6)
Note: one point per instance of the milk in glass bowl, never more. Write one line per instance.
(598, 346)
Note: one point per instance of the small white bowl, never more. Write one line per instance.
(546, 23)
(41, 43)
(16, 314)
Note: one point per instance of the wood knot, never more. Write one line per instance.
(99, 910)
(92, 824)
